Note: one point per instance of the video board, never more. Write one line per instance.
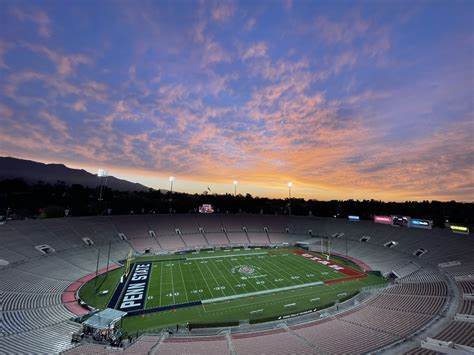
(401, 221)
(206, 209)
(421, 223)
(383, 219)
(459, 229)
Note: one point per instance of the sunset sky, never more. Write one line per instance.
(346, 99)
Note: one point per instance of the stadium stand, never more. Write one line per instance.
(276, 342)
(202, 345)
(35, 319)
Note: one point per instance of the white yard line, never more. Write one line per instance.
(239, 281)
(195, 283)
(215, 279)
(269, 272)
(210, 290)
(228, 283)
(149, 285)
(286, 272)
(225, 256)
(161, 278)
(275, 299)
(184, 283)
(172, 283)
(242, 295)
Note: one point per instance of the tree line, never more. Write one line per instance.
(19, 199)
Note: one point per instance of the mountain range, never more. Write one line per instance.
(32, 172)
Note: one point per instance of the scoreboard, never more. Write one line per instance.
(206, 209)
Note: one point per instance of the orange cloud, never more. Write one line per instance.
(65, 64)
(256, 50)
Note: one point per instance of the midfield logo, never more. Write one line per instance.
(244, 269)
(247, 272)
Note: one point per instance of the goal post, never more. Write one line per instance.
(127, 265)
(326, 247)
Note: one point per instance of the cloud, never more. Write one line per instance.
(288, 4)
(56, 85)
(344, 31)
(303, 99)
(38, 17)
(223, 11)
(79, 106)
(380, 43)
(346, 59)
(210, 50)
(65, 64)
(56, 123)
(5, 111)
(213, 53)
(409, 169)
(276, 70)
(4, 48)
(250, 24)
(257, 50)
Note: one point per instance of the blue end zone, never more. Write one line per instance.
(118, 291)
(133, 294)
(164, 308)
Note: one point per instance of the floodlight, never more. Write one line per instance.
(290, 184)
(235, 187)
(102, 173)
(172, 178)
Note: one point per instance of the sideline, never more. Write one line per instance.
(225, 256)
(263, 292)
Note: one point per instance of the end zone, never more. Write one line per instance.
(343, 269)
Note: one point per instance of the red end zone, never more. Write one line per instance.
(343, 269)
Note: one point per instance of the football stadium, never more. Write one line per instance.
(237, 284)
(235, 177)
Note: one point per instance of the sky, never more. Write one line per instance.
(346, 99)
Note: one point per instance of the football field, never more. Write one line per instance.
(232, 285)
(238, 274)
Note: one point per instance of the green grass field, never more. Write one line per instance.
(233, 285)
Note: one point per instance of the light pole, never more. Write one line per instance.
(235, 187)
(290, 184)
(172, 178)
(345, 235)
(102, 174)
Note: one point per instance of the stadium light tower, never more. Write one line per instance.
(290, 185)
(235, 187)
(172, 179)
(102, 174)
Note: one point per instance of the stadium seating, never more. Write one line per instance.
(45, 340)
(279, 342)
(194, 240)
(201, 345)
(258, 238)
(238, 238)
(35, 320)
(217, 238)
(338, 337)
